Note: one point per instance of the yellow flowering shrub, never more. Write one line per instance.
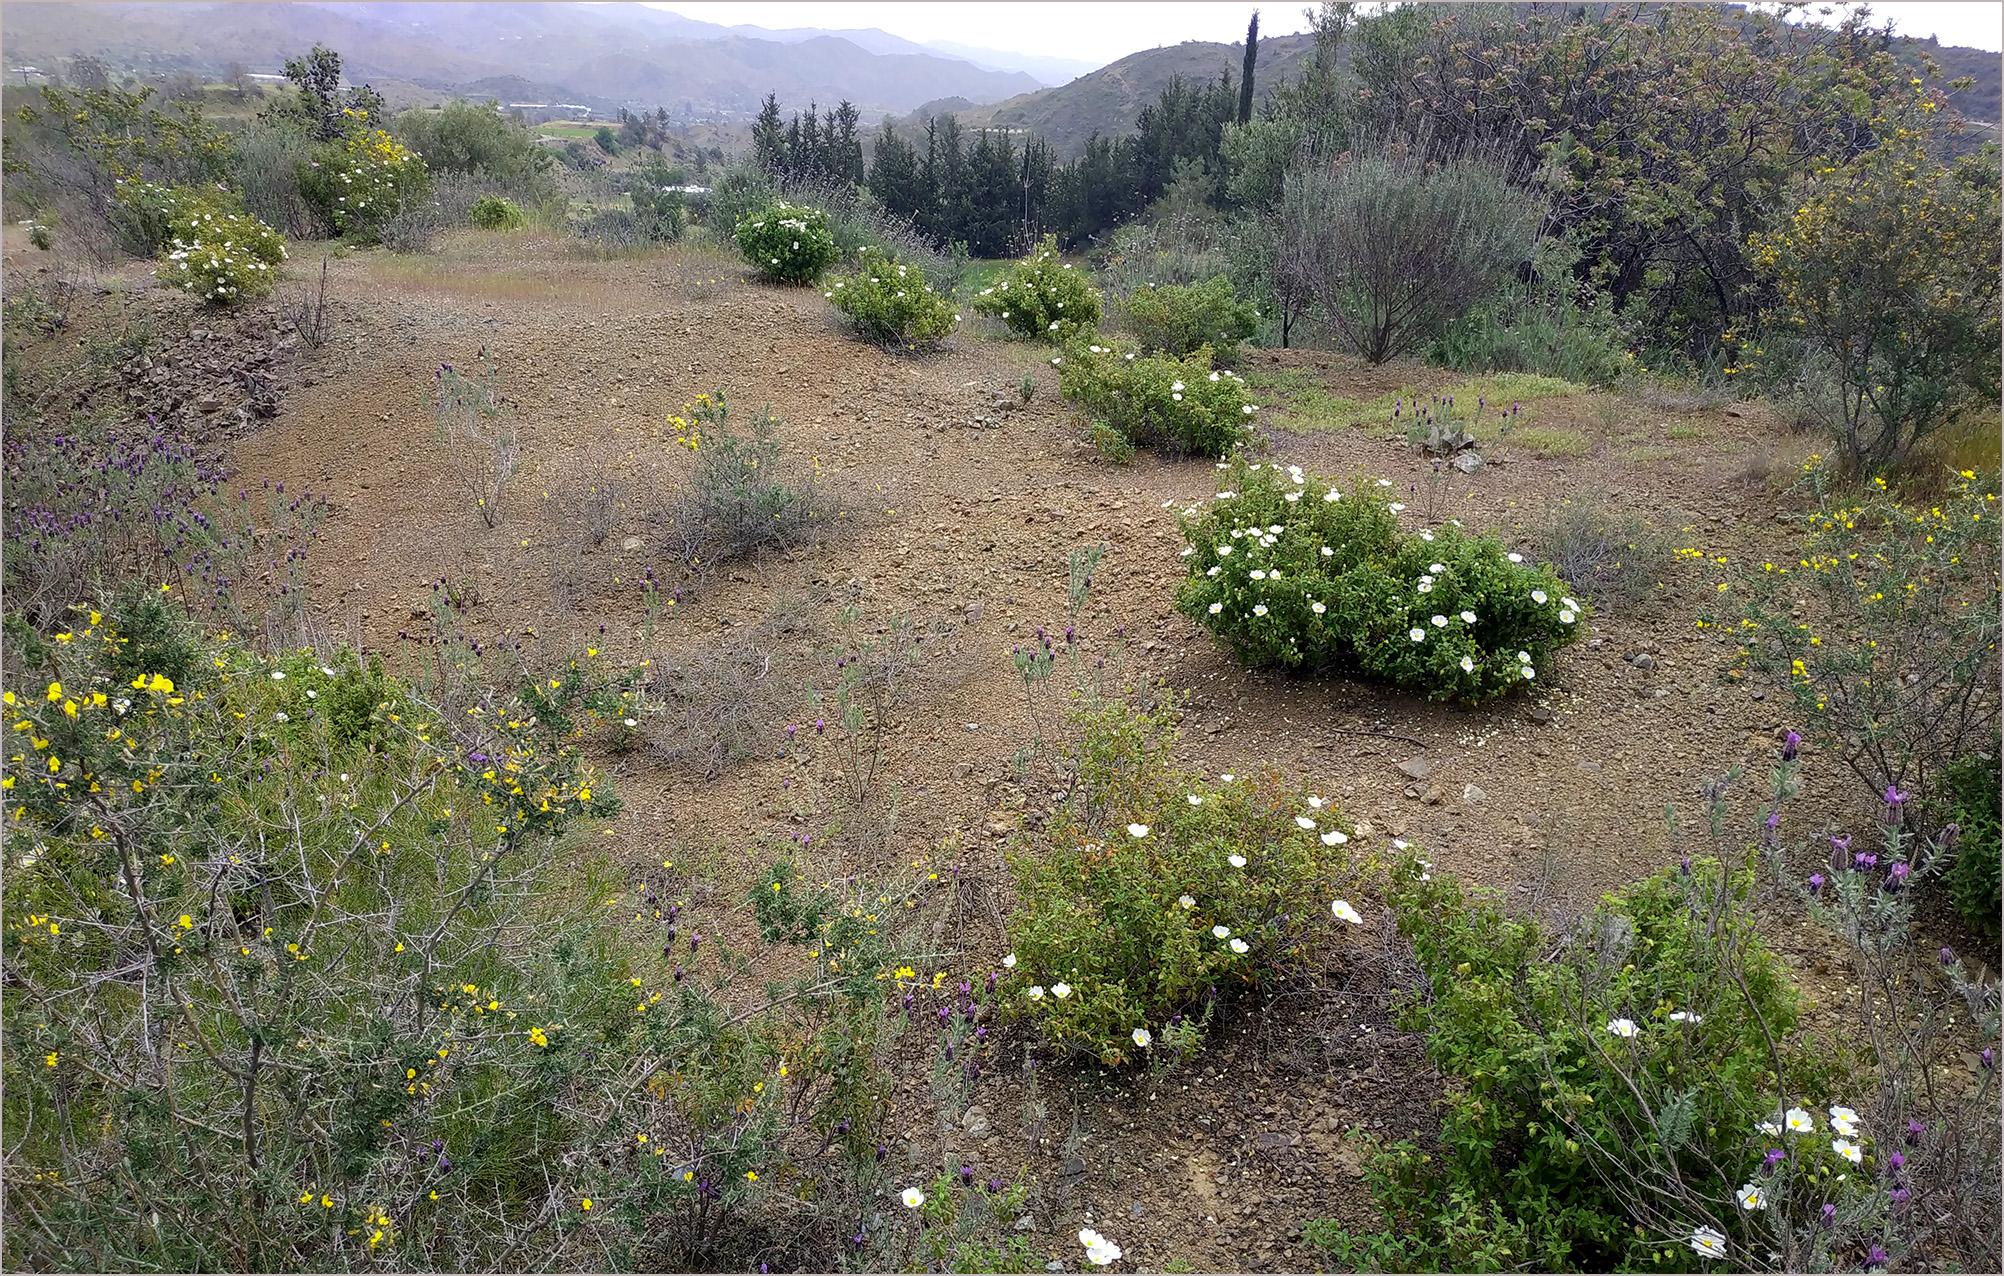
(361, 180)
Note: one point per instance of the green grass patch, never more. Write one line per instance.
(1310, 407)
(1552, 441)
(982, 272)
(1683, 432)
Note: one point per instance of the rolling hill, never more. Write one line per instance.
(621, 54)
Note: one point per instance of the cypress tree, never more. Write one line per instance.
(1246, 79)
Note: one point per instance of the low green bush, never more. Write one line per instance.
(147, 213)
(1971, 788)
(492, 212)
(662, 210)
(787, 243)
(1286, 569)
(892, 304)
(1156, 893)
(1178, 319)
(222, 258)
(1640, 1049)
(1182, 405)
(1043, 297)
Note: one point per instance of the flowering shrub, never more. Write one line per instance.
(221, 257)
(742, 499)
(1638, 1093)
(478, 429)
(148, 213)
(1043, 297)
(1176, 319)
(1180, 404)
(892, 304)
(1888, 283)
(492, 212)
(362, 180)
(788, 243)
(1286, 569)
(1130, 928)
(1885, 629)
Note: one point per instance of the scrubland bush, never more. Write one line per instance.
(270, 159)
(492, 212)
(1552, 326)
(892, 304)
(1043, 297)
(1286, 569)
(223, 258)
(1887, 274)
(1181, 405)
(360, 181)
(1610, 557)
(476, 141)
(787, 243)
(1155, 894)
(1884, 628)
(742, 500)
(480, 432)
(1391, 252)
(1177, 319)
(1637, 1091)
(1970, 797)
(662, 212)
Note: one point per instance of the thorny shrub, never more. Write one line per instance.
(787, 243)
(1611, 556)
(1884, 630)
(1133, 926)
(742, 500)
(1179, 404)
(479, 430)
(1043, 297)
(892, 304)
(1286, 569)
(1177, 319)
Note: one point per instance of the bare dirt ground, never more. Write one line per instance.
(960, 514)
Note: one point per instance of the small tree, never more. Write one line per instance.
(1887, 274)
(1391, 252)
(238, 77)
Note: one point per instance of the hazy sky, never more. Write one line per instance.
(1104, 32)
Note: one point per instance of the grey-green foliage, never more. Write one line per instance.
(1390, 251)
(462, 137)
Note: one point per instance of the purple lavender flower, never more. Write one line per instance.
(1894, 797)
(1947, 957)
(1791, 748)
(1989, 1058)
(1914, 1132)
(1829, 1215)
(1773, 1158)
(1877, 1257)
(1947, 838)
(1896, 1162)
(1896, 876)
(1865, 863)
(1899, 1197)
(1840, 852)
(1816, 881)
(967, 1175)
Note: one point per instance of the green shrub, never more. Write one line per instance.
(1597, 1080)
(1179, 404)
(1155, 893)
(1553, 326)
(1178, 319)
(148, 213)
(492, 212)
(223, 258)
(1392, 251)
(741, 501)
(1285, 569)
(1883, 627)
(788, 243)
(892, 304)
(1888, 283)
(1971, 790)
(662, 211)
(361, 180)
(1612, 556)
(478, 141)
(1043, 297)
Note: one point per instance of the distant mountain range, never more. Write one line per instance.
(603, 55)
